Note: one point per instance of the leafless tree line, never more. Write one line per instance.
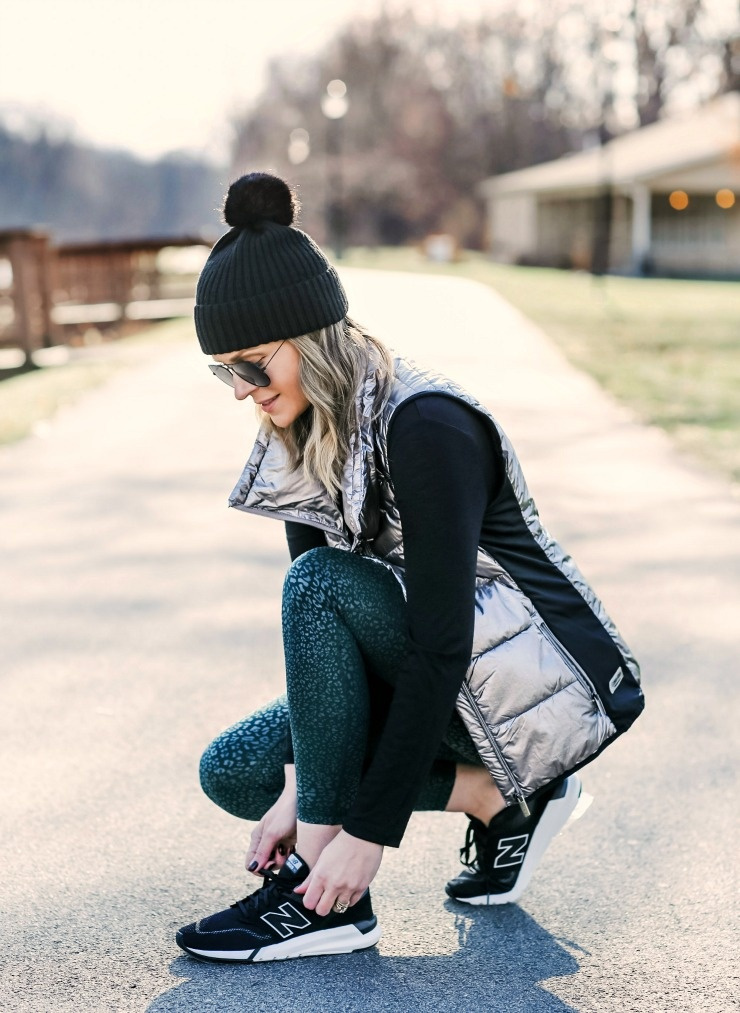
(433, 109)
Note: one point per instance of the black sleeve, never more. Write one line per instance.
(444, 469)
(302, 537)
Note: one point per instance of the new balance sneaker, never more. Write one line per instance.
(502, 856)
(273, 924)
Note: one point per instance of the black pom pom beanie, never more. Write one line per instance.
(265, 280)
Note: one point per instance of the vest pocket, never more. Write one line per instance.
(528, 706)
(572, 664)
(472, 704)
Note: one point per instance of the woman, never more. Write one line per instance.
(416, 547)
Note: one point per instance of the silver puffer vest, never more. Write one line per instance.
(534, 709)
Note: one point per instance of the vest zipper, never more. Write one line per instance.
(573, 665)
(518, 793)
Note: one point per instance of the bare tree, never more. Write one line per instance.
(433, 109)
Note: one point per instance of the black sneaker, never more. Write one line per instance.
(509, 849)
(272, 924)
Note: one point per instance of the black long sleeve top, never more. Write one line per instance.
(446, 469)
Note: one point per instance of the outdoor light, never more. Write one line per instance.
(679, 200)
(335, 103)
(725, 199)
(298, 146)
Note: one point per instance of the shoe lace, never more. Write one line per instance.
(473, 847)
(253, 905)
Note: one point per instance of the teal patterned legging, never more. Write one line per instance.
(344, 638)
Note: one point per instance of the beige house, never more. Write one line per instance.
(672, 188)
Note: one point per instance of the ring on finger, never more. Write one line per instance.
(339, 906)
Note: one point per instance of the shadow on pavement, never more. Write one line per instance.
(503, 957)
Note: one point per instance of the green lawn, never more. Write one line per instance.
(668, 349)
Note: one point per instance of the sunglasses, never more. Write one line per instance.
(248, 371)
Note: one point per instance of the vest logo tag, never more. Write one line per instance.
(616, 680)
(286, 920)
(511, 851)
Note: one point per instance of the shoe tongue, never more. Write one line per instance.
(295, 869)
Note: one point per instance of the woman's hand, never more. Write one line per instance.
(274, 836)
(345, 869)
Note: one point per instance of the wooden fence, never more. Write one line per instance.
(54, 294)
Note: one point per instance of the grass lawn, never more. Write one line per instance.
(28, 399)
(669, 349)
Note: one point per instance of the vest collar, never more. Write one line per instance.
(269, 486)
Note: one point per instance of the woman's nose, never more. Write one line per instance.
(242, 389)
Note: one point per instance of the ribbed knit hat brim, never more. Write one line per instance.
(265, 284)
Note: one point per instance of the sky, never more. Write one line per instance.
(153, 76)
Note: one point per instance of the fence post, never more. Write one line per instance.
(28, 253)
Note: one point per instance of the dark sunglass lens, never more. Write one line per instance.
(252, 374)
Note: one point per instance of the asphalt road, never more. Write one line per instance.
(139, 617)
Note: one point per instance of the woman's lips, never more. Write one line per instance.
(266, 406)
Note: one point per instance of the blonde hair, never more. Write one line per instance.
(334, 362)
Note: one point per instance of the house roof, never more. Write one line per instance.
(708, 134)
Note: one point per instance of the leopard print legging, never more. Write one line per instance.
(344, 639)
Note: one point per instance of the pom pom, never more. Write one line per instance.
(259, 197)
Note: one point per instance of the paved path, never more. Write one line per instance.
(139, 617)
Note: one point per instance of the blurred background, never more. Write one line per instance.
(125, 120)
(497, 138)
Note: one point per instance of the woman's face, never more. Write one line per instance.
(284, 399)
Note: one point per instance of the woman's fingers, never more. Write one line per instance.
(268, 849)
(254, 843)
(261, 848)
(280, 855)
(320, 893)
(320, 896)
(276, 829)
(263, 857)
(325, 905)
(344, 870)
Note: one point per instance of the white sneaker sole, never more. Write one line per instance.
(552, 822)
(344, 939)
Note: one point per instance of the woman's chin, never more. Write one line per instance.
(283, 419)
(278, 421)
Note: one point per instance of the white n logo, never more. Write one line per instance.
(286, 920)
(511, 851)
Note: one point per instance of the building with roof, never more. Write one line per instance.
(664, 199)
